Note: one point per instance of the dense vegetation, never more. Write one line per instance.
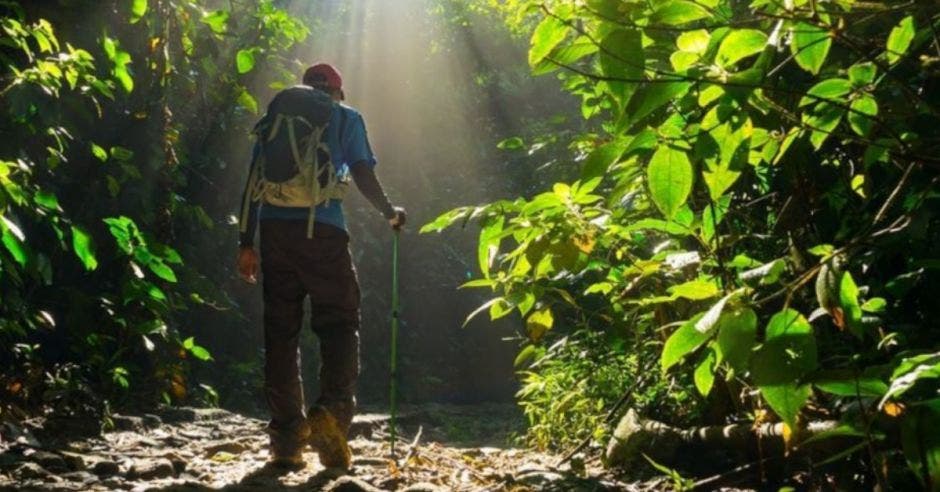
(739, 225)
(753, 229)
(94, 193)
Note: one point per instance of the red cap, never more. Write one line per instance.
(326, 73)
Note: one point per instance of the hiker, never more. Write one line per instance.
(308, 146)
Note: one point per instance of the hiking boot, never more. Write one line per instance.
(293, 461)
(327, 439)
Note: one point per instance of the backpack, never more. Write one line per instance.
(294, 167)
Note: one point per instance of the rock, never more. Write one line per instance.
(188, 414)
(150, 469)
(350, 484)
(74, 461)
(151, 420)
(50, 461)
(81, 477)
(18, 434)
(115, 483)
(127, 423)
(539, 479)
(106, 468)
(30, 470)
(228, 447)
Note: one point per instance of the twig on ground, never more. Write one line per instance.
(411, 450)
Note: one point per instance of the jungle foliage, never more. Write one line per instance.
(755, 220)
(110, 110)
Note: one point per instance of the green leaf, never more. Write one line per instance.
(83, 246)
(13, 239)
(900, 39)
(681, 343)
(848, 299)
(122, 154)
(138, 9)
(827, 90)
(601, 158)
(514, 143)
(695, 290)
(875, 305)
(848, 383)
(200, 353)
(217, 21)
(678, 12)
(622, 57)
(861, 111)
(810, 46)
(446, 220)
(650, 98)
(862, 73)
(766, 274)
(545, 38)
(245, 60)
(788, 355)
(693, 41)
(704, 375)
(740, 44)
(670, 179)
(526, 354)
(160, 269)
(247, 101)
(99, 152)
(822, 120)
(910, 371)
(47, 200)
(737, 336)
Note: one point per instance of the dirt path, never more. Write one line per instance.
(460, 448)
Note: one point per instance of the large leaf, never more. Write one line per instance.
(545, 38)
(650, 98)
(682, 342)
(900, 39)
(704, 375)
(13, 240)
(787, 356)
(84, 248)
(676, 12)
(670, 179)
(621, 57)
(737, 336)
(696, 290)
(601, 158)
(810, 46)
(740, 44)
(539, 322)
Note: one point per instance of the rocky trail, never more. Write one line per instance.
(441, 448)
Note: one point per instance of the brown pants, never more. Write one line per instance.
(295, 267)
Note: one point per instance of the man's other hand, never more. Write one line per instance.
(248, 264)
(399, 219)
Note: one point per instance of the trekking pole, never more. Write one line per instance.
(393, 396)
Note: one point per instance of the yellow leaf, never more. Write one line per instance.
(893, 409)
(585, 243)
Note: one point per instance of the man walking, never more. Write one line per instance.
(308, 147)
